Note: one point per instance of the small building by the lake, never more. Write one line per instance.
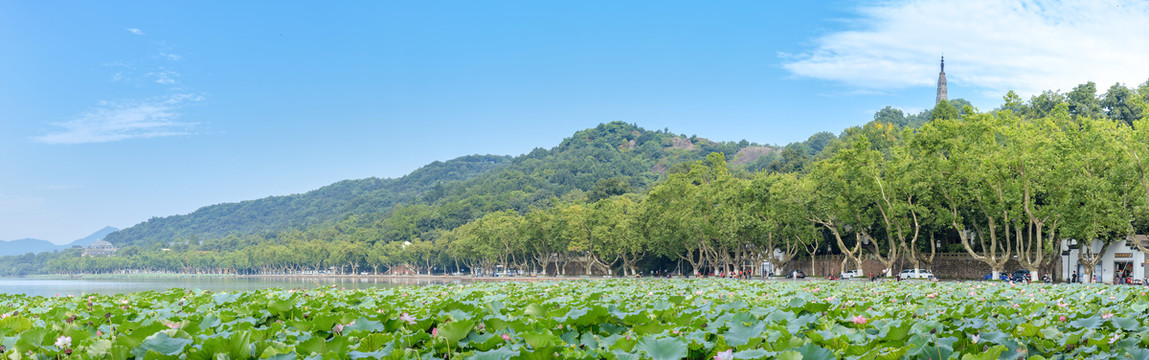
(1122, 259)
(99, 248)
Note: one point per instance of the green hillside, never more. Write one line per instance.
(324, 205)
(631, 157)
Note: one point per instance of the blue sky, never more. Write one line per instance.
(115, 112)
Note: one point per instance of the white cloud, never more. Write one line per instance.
(114, 121)
(135, 31)
(165, 77)
(170, 56)
(990, 45)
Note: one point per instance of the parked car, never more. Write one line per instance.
(801, 274)
(850, 274)
(916, 274)
(1020, 275)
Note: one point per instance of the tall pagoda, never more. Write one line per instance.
(942, 84)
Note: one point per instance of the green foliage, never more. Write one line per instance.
(605, 188)
(325, 205)
(1122, 104)
(944, 111)
(607, 319)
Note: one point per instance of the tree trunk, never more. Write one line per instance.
(1089, 259)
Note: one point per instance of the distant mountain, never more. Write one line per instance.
(96, 236)
(24, 246)
(327, 204)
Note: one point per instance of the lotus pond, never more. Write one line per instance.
(608, 319)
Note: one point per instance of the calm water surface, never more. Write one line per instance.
(52, 287)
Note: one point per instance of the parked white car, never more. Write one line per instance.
(916, 274)
(850, 274)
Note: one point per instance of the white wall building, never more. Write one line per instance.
(1122, 258)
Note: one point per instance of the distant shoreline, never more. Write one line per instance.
(443, 278)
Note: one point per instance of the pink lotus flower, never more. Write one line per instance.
(1062, 318)
(435, 332)
(408, 319)
(930, 295)
(1106, 316)
(860, 320)
(506, 337)
(63, 342)
(725, 355)
(338, 329)
(975, 338)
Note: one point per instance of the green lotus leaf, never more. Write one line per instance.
(756, 354)
(162, 343)
(533, 309)
(33, 338)
(790, 355)
(99, 348)
(384, 353)
(365, 324)
(1091, 322)
(455, 330)
(224, 298)
(239, 345)
(209, 348)
(989, 354)
(540, 340)
(14, 325)
(896, 330)
(496, 354)
(740, 334)
(663, 348)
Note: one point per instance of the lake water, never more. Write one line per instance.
(63, 287)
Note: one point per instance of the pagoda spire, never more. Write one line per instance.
(942, 95)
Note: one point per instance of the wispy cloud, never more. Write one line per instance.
(114, 121)
(135, 31)
(990, 45)
(170, 56)
(165, 77)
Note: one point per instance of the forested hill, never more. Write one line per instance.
(609, 159)
(324, 205)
